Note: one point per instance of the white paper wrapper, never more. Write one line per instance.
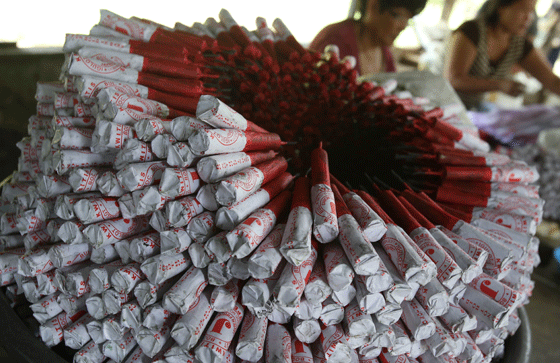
(369, 302)
(99, 277)
(109, 185)
(291, 284)
(251, 341)
(468, 265)
(343, 297)
(496, 290)
(125, 278)
(402, 345)
(340, 273)
(296, 241)
(52, 332)
(238, 186)
(72, 138)
(217, 114)
(216, 167)
(371, 224)
(35, 263)
(217, 141)
(198, 255)
(457, 319)
(278, 344)
(9, 261)
(440, 342)
(404, 257)
(229, 217)
(147, 129)
(71, 304)
(134, 151)
(90, 353)
(145, 246)
(95, 330)
(384, 335)
(207, 197)
(104, 254)
(332, 313)
(152, 341)
(180, 155)
(183, 127)
(218, 247)
(219, 335)
(114, 230)
(77, 282)
(119, 349)
(155, 316)
(358, 326)
(434, 298)
(499, 256)
(137, 176)
(64, 160)
(180, 212)
(358, 249)
(161, 144)
(484, 308)
(131, 315)
(244, 238)
(162, 267)
(46, 308)
(306, 331)
(111, 101)
(28, 221)
(184, 293)
(147, 293)
(97, 209)
(11, 241)
(325, 225)
(189, 327)
(335, 344)
(420, 324)
(71, 232)
(69, 121)
(89, 86)
(317, 288)
(224, 297)
(67, 255)
(448, 272)
(174, 241)
(266, 258)
(202, 227)
(179, 182)
(76, 335)
(84, 179)
(113, 301)
(176, 354)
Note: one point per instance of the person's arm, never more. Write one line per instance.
(537, 66)
(460, 60)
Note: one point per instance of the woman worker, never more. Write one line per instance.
(484, 50)
(369, 32)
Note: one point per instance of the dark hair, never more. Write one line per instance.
(414, 6)
(489, 10)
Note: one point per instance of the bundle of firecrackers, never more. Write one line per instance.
(214, 194)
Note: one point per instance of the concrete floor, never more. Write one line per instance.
(544, 310)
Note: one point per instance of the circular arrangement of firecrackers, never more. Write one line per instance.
(149, 221)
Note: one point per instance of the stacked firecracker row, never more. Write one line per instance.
(149, 221)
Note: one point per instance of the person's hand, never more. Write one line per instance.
(511, 87)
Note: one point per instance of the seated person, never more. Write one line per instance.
(369, 32)
(483, 51)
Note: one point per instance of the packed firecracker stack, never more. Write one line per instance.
(149, 221)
